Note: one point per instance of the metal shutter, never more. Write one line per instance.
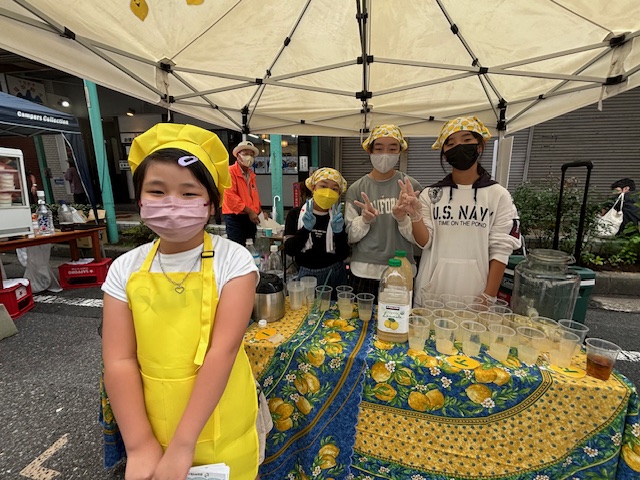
(354, 161)
(610, 139)
(518, 159)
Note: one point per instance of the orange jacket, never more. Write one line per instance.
(240, 194)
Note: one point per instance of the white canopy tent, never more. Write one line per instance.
(327, 67)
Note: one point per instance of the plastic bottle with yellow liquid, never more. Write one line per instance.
(394, 304)
(407, 270)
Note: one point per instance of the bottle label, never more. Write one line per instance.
(393, 318)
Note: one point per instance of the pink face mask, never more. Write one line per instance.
(174, 219)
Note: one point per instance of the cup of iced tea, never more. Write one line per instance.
(601, 357)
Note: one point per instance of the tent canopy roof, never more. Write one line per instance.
(20, 117)
(323, 67)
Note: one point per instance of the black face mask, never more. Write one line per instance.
(463, 156)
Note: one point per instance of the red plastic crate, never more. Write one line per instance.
(17, 299)
(90, 274)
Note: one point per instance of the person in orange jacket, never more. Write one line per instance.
(241, 206)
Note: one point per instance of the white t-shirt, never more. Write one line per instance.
(231, 260)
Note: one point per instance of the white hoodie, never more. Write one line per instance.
(469, 225)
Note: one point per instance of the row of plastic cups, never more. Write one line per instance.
(445, 298)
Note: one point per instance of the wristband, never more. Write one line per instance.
(489, 298)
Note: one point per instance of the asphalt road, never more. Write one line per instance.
(49, 375)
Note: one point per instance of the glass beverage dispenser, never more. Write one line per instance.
(543, 285)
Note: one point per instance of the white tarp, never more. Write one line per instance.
(334, 67)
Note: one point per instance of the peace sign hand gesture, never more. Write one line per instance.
(369, 213)
(408, 201)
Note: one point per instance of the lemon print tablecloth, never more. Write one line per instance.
(348, 406)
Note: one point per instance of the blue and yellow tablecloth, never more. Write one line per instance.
(346, 405)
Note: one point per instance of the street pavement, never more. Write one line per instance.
(49, 375)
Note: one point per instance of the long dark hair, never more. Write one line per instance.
(481, 142)
(171, 155)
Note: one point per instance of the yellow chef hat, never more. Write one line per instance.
(197, 141)
(326, 174)
(472, 124)
(389, 130)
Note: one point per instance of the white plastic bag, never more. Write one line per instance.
(607, 225)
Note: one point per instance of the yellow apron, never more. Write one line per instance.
(172, 333)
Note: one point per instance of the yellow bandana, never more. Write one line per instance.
(472, 124)
(195, 140)
(385, 131)
(326, 174)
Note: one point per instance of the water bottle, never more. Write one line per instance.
(254, 253)
(45, 219)
(394, 304)
(274, 262)
(65, 217)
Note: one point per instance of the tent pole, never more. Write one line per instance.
(315, 152)
(276, 177)
(45, 183)
(91, 94)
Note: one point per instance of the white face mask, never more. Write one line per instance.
(384, 162)
(247, 160)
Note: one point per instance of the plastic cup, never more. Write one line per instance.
(478, 307)
(471, 332)
(310, 284)
(345, 304)
(313, 308)
(268, 232)
(448, 297)
(296, 294)
(501, 302)
(514, 320)
(323, 294)
(563, 344)
(424, 312)
(501, 339)
(488, 319)
(529, 342)
(548, 326)
(432, 304)
(472, 299)
(500, 310)
(601, 357)
(455, 305)
(575, 327)
(344, 288)
(365, 305)
(418, 332)
(460, 316)
(445, 335)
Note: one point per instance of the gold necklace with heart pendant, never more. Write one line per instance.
(178, 285)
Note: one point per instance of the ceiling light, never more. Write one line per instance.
(284, 143)
(64, 103)
(131, 112)
(253, 136)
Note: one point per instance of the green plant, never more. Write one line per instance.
(537, 205)
(137, 235)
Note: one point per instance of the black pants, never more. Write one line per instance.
(239, 228)
(364, 285)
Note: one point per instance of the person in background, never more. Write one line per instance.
(33, 188)
(466, 224)
(630, 205)
(241, 207)
(375, 225)
(175, 311)
(71, 176)
(314, 233)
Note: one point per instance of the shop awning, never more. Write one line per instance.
(20, 117)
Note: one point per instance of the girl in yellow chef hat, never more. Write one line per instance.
(175, 311)
(315, 233)
(466, 224)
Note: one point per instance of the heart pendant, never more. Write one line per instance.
(179, 289)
